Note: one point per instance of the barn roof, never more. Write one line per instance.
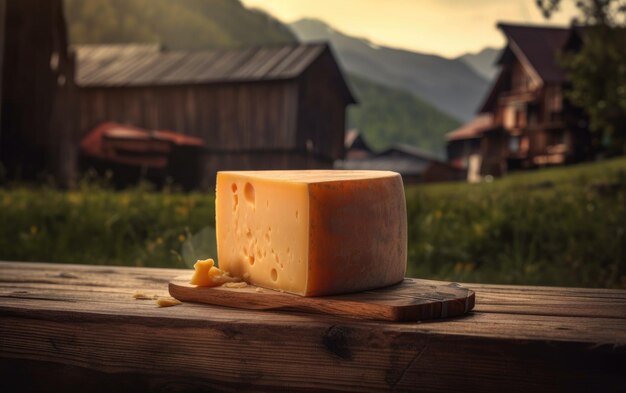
(538, 46)
(405, 150)
(406, 166)
(141, 65)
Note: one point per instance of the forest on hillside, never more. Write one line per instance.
(182, 24)
(386, 115)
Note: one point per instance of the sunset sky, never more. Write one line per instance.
(446, 27)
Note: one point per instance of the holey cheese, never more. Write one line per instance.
(313, 233)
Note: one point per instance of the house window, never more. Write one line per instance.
(558, 138)
(514, 143)
(532, 114)
(515, 115)
(557, 100)
(554, 103)
(509, 117)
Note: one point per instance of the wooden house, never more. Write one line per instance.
(525, 121)
(255, 108)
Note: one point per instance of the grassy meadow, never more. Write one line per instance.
(94, 225)
(563, 226)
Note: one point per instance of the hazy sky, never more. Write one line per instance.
(445, 27)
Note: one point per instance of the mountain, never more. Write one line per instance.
(385, 115)
(449, 84)
(483, 62)
(180, 24)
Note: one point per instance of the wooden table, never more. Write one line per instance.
(64, 327)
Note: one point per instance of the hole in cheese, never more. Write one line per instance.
(274, 275)
(248, 192)
(233, 187)
(251, 259)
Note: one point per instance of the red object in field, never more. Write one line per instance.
(124, 144)
(131, 154)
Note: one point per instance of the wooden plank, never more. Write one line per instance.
(186, 71)
(151, 74)
(286, 68)
(124, 275)
(595, 292)
(112, 287)
(410, 300)
(611, 300)
(591, 331)
(63, 326)
(315, 355)
(255, 66)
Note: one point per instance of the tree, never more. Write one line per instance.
(597, 72)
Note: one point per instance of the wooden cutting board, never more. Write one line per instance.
(410, 300)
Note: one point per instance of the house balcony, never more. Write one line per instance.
(517, 96)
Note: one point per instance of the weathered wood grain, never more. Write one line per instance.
(410, 300)
(63, 326)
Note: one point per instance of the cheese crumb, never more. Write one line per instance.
(241, 284)
(142, 296)
(139, 295)
(167, 302)
(206, 274)
(259, 289)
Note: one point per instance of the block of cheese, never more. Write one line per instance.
(312, 232)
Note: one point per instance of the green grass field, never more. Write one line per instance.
(563, 226)
(97, 226)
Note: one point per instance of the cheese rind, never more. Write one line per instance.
(312, 233)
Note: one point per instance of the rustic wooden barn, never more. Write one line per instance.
(34, 68)
(256, 108)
